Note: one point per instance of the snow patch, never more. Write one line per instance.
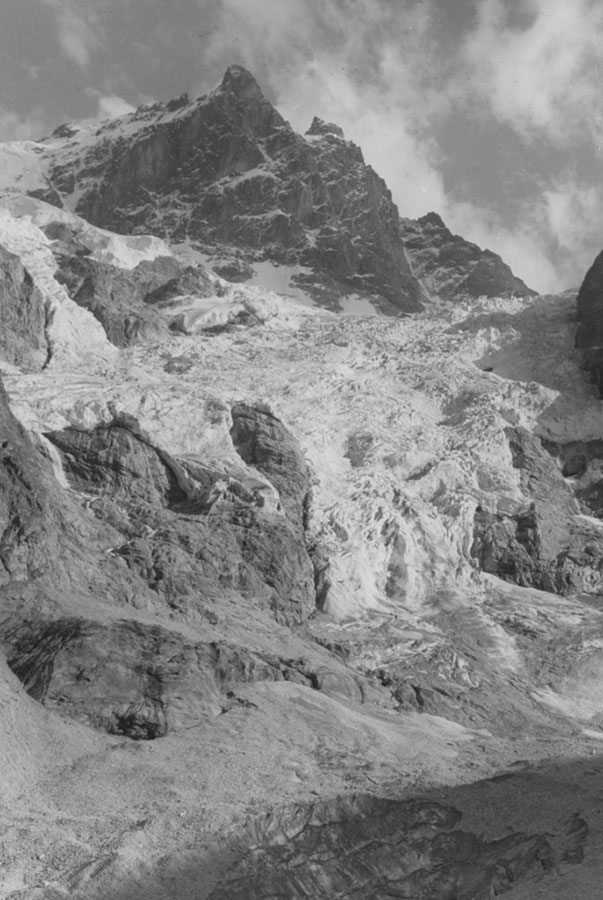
(123, 251)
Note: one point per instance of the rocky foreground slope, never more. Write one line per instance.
(295, 603)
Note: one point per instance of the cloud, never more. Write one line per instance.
(18, 128)
(525, 247)
(541, 76)
(364, 64)
(110, 106)
(76, 29)
(573, 211)
(392, 76)
(431, 91)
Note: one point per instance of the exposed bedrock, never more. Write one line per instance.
(47, 545)
(191, 532)
(582, 462)
(144, 681)
(228, 169)
(264, 443)
(369, 848)
(22, 315)
(166, 535)
(451, 267)
(545, 544)
(589, 336)
(128, 302)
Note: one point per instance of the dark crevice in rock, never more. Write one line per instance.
(48, 318)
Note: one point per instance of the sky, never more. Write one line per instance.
(489, 112)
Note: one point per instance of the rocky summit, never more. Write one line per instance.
(301, 554)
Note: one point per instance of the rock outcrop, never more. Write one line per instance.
(130, 304)
(589, 336)
(228, 170)
(402, 849)
(22, 315)
(143, 681)
(454, 269)
(190, 531)
(44, 538)
(544, 544)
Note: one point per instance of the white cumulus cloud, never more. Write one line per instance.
(75, 23)
(542, 78)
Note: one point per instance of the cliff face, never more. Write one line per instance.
(228, 170)
(22, 315)
(452, 268)
(589, 336)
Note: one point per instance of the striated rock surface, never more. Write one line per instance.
(228, 170)
(451, 267)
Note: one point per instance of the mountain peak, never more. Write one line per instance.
(238, 80)
(318, 126)
(432, 218)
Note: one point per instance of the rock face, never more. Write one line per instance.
(543, 545)
(263, 442)
(392, 849)
(227, 169)
(129, 303)
(43, 535)
(136, 680)
(451, 267)
(188, 530)
(181, 537)
(589, 337)
(22, 315)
